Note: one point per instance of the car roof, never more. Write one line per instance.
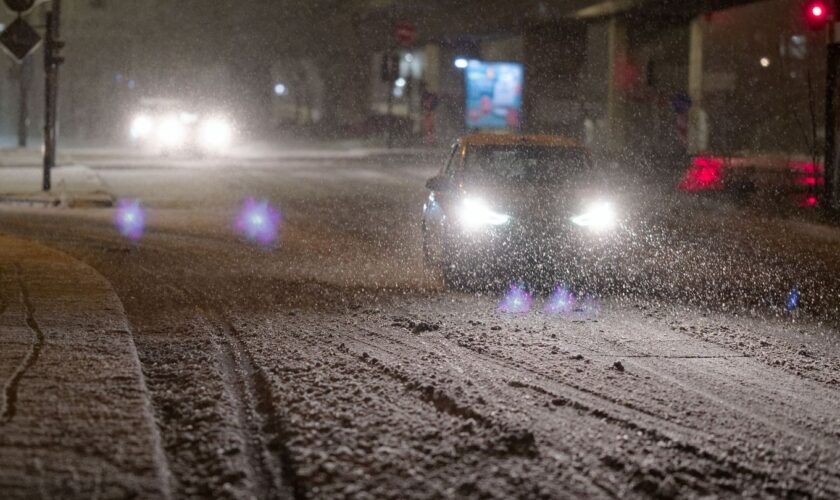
(517, 139)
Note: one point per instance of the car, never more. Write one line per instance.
(519, 207)
(168, 126)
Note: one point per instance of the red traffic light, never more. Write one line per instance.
(818, 14)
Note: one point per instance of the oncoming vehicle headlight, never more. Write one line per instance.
(600, 216)
(215, 133)
(476, 213)
(141, 127)
(172, 133)
(188, 118)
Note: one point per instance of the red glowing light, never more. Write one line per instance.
(810, 201)
(809, 181)
(806, 167)
(817, 15)
(807, 173)
(705, 174)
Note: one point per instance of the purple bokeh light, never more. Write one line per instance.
(588, 305)
(130, 219)
(517, 300)
(258, 221)
(561, 301)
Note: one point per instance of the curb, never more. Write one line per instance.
(74, 186)
(88, 200)
(75, 414)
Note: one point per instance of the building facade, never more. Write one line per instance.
(642, 76)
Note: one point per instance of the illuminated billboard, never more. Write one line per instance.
(494, 95)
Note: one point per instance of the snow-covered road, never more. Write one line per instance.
(333, 364)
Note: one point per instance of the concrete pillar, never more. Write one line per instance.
(431, 123)
(617, 50)
(698, 130)
(431, 69)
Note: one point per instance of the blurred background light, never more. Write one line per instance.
(130, 219)
(516, 301)
(561, 301)
(258, 221)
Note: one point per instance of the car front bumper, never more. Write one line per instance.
(564, 254)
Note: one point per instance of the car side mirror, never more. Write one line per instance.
(439, 183)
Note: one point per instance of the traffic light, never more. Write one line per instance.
(818, 13)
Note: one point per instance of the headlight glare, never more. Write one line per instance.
(215, 133)
(141, 127)
(476, 213)
(172, 132)
(600, 216)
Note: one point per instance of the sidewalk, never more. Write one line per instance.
(21, 176)
(75, 418)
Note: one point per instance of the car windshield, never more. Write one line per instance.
(526, 164)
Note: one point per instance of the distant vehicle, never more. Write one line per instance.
(167, 126)
(517, 206)
(779, 182)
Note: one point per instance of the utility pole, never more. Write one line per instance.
(24, 81)
(830, 163)
(52, 60)
(393, 74)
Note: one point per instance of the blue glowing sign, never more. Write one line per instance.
(494, 95)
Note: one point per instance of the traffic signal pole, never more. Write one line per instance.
(24, 80)
(821, 15)
(830, 163)
(52, 60)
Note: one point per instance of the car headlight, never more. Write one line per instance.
(600, 216)
(172, 132)
(476, 213)
(188, 118)
(215, 133)
(141, 127)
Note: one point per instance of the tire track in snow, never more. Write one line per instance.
(497, 439)
(13, 384)
(602, 407)
(258, 417)
(689, 384)
(269, 460)
(519, 441)
(246, 384)
(654, 425)
(3, 301)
